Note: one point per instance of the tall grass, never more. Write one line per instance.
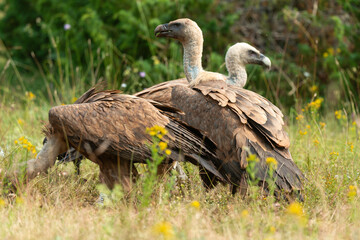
(61, 205)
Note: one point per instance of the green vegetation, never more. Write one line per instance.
(51, 52)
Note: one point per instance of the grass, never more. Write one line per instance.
(61, 205)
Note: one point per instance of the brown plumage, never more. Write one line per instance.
(109, 128)
(237, 120)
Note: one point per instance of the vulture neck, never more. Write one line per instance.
(192, 58)
(237, 74)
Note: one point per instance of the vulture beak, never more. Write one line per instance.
(163, 30)
(265, 61)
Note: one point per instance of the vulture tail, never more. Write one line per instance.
(287, 176)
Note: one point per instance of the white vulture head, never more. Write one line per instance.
(185, 30)
(237, 57)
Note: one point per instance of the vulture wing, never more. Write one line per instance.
(238, 121)
(111, 126)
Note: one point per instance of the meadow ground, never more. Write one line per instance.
(61, 205)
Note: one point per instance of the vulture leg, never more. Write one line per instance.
(166, 168)
(182, 174)
(46, 157)
(77, 166)
(122, 172)
(241, 188)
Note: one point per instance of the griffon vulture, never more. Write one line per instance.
(239, 121)
(109, 128)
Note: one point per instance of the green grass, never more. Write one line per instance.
(61, 205)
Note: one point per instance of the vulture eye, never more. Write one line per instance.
(251, 52)
(176, 24)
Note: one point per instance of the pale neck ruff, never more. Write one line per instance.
(237, 74)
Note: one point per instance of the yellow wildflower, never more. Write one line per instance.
(155, 60)
(313, 88)
(316, 142)
(272, 229)
(168, 152)
(30, 96)
(195, 204)
(330, 51)
(352, 192)
(337, 114)
(159, 131)
(164, 229)
(334, 153)
(338, 50)
(127, 72)
(295, 209)
(314, 105)
(325, 54)
(303, 133)
(152, 133)
(308, 126)
(252, 158)
(271, 161)
(73, 99)
(299, 117)
(2, 203)
(244, 213)
(162, 146)
(351, 145)
(354, 123)
(20, 121)
(26, 144)
(322, 124)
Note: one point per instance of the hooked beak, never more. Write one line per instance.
(163, 30)
(265, 61)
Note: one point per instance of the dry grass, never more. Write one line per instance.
(58, 206)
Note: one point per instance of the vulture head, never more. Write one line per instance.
(185, 30)
(243, 53)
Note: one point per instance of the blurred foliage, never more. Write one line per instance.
(314, 45)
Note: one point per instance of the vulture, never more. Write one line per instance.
(109, 128)
(237, 57)
(240, 122)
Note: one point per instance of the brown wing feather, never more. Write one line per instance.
(114, 127)
(253, 106)
(260, 127)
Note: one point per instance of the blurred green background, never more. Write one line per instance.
(57, 49)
